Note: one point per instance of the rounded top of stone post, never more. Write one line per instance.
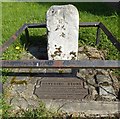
(71, 8)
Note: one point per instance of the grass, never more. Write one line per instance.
(15, 14)
(40, 112)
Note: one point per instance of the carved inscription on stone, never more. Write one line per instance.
(63, 30)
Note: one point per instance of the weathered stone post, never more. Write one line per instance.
(63, 28)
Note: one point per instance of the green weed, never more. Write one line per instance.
(15, 14)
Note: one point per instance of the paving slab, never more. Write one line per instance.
(89, 108)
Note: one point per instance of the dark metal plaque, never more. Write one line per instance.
(60, 88)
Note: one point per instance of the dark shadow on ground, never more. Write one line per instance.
(37, 46)
(50, 74)
(96, 8)
(119, 94)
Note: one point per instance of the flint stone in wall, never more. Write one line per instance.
(63, 28)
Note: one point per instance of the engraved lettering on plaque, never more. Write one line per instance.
(60, 88)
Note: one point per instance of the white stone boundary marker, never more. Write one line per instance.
(63, 30)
